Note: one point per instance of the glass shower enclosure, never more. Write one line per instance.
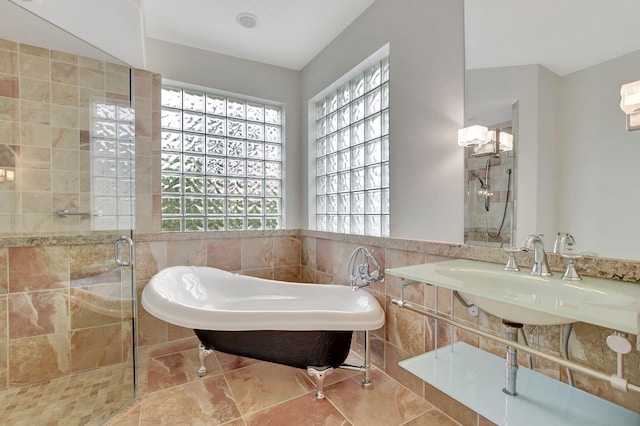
(67, 215)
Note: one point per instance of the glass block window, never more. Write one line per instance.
(352, 155)
(112, 165)
(221, 162)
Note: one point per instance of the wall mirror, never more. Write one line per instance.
(563, 63)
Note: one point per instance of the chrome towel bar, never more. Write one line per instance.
(64, 213)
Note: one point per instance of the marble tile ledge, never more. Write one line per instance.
(600, 267)
(96, 237)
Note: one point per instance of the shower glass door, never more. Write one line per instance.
(67, 197)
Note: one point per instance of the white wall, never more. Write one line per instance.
(222, 72)
(426, 108)
(598, 162)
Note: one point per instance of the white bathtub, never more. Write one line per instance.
(301, 325)
(212, 299)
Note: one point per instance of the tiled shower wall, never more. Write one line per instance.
(45, 99)
(65, 305)
(501, 189)
(63, 311)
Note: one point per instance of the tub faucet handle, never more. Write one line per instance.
(359, 274)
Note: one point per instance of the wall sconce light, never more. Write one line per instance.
(630, 104)
(483, 141)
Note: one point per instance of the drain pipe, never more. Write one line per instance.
(512, 358)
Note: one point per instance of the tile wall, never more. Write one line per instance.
(45, 98)
(501, 188)
(65, 311)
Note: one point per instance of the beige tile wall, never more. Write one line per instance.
(44, 117)
(65, 311)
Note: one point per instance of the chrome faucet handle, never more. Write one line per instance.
(563, 239)
(511, 262)
(570, 274)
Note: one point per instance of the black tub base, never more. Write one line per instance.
(317, 351)
(300, 349)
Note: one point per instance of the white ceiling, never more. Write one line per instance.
(289, 34)
(563, 35)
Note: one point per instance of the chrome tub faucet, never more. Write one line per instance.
(540, 265)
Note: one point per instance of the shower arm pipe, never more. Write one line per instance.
(615, 381)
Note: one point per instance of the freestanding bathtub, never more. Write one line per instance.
(300, 325)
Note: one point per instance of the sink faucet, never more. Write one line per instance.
(564, 247)
(540, 265)
(564, 240)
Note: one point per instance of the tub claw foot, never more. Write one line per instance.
(319, 373)
(203, 352)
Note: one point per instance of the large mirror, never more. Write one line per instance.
(563, 62)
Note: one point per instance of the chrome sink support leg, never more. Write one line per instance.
(203, 352)
(512, 358)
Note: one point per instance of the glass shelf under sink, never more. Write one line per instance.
(476, 378)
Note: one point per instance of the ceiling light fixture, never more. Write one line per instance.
(247, 20)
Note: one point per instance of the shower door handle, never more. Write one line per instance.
(117, 244)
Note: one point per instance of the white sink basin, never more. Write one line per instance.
(523, 298)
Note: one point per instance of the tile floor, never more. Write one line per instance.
(244, 392)
(78, 399)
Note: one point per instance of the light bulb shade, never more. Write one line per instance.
(473, 135)
(506, 141)
(630, 97)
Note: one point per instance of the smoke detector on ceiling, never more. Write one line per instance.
(247, 20)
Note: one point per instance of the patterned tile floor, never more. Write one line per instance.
(236, 392)
(80, 399)
(244, 392)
